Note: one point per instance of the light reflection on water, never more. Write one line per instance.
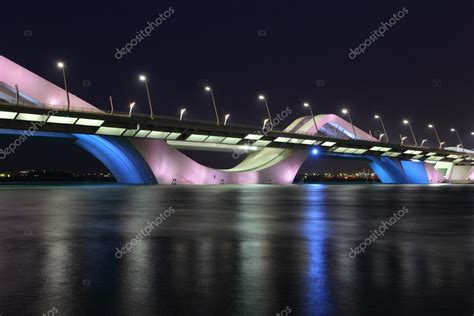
(236, 250)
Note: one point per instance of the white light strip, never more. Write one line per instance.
(214, 139)
(114, 131)
(328, 144)
(159, 135)
(296, 141)
(231, 140)
(130, 132)
(253, 136)
(89, 122)
(261, 143)
(62, 120)
(142, 133)
(196, 137)
(173, 135)
(7, 115)
(31, 117)
(281, 139)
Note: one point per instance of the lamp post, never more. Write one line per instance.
(111, 106)
(437, 136)
(403, 139)
(262, 97)
(406, 122)
(131, 108)
(423, 142)
(378, 117)
(181, 114)
(345, 111)
(144, 79)
(380, 137)
(207, 88)
(264, 123)
(306, 104)
(460, 141)
(226, 117)
(62, 66)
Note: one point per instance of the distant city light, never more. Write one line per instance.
(314, 151)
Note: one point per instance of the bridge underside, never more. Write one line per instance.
(143, 161)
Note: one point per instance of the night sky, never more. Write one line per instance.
(293, 51)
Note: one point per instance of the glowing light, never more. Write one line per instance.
(142, 78)
(60, 64)
(306, 104)
(376, 116)
(405, 122)
(345, 111)
(261, 97)
(207, 88)
(314, 151)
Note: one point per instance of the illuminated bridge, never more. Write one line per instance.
(138, 149)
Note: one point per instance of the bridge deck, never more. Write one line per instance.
(201, 135)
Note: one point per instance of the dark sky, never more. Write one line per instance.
(422, 69)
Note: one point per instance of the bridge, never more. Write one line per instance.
(143, 150)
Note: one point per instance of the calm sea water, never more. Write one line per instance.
(236, 250)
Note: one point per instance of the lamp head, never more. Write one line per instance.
(207, 88)
(142, 78)
(261, 97)
(345, 111)
(376, 116)
(405, 122)
(60, 64)
(306, 104)
(430, 125)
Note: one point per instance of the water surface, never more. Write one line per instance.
(236, 250)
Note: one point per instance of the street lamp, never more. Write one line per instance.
(62, 66)
(181, 114)
(131, 108)
(437, 136)
(144, 79)
(377, 117)
(406, 122)
(423, 141)
(345, 111)
(226, 117)
(265, 123)
(111, 106)
(262, 97)
(306, 104)
(403, 139)
(460, 141)
(207, 88)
